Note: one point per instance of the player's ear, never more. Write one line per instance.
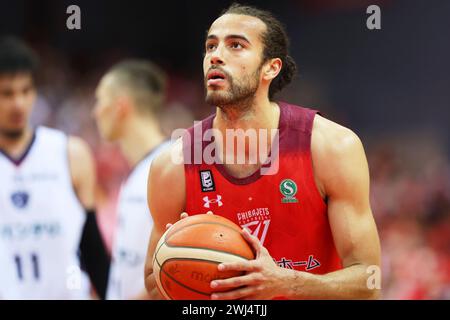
(123, 106)
(272, 68)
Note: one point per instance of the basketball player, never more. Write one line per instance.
(129, 98)
(310, 222)
(47, 216)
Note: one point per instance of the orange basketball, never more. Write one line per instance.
(187, 256)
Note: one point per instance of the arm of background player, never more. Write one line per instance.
(94, 257)
(82, 169)
(166, 200)
(343, 175)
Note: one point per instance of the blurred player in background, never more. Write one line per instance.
(310, 221)
(129, 99)
(48, 226)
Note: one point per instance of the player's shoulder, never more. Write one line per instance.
(168, 164)
(78, 149)
(332, 139)
(166, 181)
(47, 134)
(47, 130)
(337, 154)
(75, 143)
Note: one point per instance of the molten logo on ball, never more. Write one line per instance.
(206, 277)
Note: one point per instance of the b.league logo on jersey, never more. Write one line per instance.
(20, 199)
(207, 181)
(288, 189)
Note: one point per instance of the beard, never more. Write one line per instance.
(12, 134)
(240, 93)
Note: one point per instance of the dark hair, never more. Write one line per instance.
(16, 57)
(276, 44)
(145, 81)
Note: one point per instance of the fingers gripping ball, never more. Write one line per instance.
(187, 256)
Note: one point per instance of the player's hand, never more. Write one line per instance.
(182, 216)
(263, 278)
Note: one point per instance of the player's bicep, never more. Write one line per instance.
(82, 169)
(166, 197)
(354, 232)
(351, 220)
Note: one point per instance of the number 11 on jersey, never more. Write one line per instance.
(21, 261)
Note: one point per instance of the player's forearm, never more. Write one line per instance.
(348, 283)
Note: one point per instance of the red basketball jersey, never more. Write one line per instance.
(284, 210)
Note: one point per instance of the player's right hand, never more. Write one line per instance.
(182, 216)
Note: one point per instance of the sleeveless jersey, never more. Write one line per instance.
(134, 226)
(41, 222)
(284, 210)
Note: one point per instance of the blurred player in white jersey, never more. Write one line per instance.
(48, 231)
(129, 98)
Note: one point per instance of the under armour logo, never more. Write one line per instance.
(208, 201)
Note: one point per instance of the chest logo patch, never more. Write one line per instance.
(256, 221)
(20, 199)
(207, 181)
(288, 189)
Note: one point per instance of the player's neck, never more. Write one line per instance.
(16, 146)
(258, 114)
(263, 116)
(139, 138)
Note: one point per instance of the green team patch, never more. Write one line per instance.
(288, 189)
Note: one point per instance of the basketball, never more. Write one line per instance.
(188, 253)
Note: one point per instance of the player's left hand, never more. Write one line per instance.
(263, 278)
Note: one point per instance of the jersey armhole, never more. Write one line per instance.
(189, 193)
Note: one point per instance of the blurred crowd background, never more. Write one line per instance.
(391, 86)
